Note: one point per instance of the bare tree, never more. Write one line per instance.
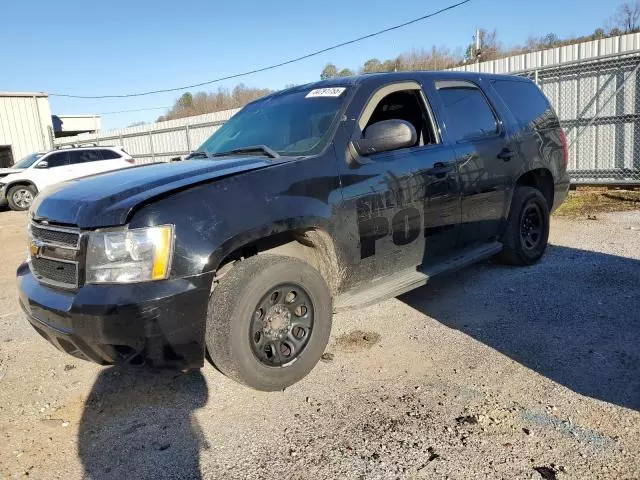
(627, 16)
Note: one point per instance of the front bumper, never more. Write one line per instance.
(160, 323)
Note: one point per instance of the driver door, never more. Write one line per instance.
(406, 201)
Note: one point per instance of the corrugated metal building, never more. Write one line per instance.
(25, 125)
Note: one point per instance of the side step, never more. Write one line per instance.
(381, 289)
(463, 258)
(409, 279)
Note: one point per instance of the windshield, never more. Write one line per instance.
(295, 124)
(27, 161)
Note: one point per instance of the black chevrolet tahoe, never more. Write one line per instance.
(311, 200)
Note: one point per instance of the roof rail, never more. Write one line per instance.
(79, 145)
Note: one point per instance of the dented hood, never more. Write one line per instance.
(108, 199)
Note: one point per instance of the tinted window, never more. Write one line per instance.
(84, 156)
(524, 99)
(109, 154)
(468, 113)
(57, 159)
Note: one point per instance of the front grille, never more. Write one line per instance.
(48, 270)
(57, 237)
(54, 255)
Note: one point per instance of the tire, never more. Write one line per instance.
(519, 248)
(21, 197)
(246, 320)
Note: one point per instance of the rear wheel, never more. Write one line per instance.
(527, 233)
(269, 321)
(21, 197)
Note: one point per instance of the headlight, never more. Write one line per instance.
(137, 255)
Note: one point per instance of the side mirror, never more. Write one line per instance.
(42, 164)
(385, 136)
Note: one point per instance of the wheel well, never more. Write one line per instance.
(313, 246)
(20, 182)
(541, 179)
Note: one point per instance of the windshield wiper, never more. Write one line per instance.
(262, 149)
(198, 154)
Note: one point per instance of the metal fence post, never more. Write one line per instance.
(153, 155)
(186, 131)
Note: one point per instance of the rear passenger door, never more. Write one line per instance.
(483, 151)
(80, 162)
(111, 160)
(91, 162)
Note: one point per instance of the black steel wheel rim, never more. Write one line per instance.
(531, 225)
(281, 325)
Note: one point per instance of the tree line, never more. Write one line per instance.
(189, 104)
(626, 19)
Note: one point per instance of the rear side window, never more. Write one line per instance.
(57, 160)
(84, 156)
(469, 115)
(524, 99)
(109, 155)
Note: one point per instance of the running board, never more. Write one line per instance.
(411, 278)
(463, 258)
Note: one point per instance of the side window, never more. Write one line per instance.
(469, 115)
(405, 105)
(524, 99)
(57, 159)
(109, 154)
(84, 156)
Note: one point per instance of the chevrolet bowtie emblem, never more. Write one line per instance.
(34, 249)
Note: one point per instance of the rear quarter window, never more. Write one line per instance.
(524, 99)
(109, 155)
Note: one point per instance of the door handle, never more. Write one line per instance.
(506, 154)
(440, 170)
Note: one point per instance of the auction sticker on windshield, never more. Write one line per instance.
(325, 92)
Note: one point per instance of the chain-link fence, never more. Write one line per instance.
(598, 103)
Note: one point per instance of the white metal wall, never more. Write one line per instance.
(557, 56)
(158, 142)
(25, 123)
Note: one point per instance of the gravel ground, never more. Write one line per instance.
(492, 372)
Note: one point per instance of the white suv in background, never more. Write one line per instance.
(22, 182)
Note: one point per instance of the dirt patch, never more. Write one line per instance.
(357, 340)
(586, 203)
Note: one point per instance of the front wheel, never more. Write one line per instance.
(20, 197)
(268, 321)
(527, 233)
